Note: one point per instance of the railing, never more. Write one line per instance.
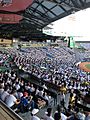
(7, 113)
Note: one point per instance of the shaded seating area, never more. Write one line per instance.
(31, 92)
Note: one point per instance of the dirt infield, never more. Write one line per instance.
(85, 66)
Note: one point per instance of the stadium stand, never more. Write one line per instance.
(40, 81)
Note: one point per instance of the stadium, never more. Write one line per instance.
(44, 60)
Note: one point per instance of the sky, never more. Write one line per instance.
(77, 24)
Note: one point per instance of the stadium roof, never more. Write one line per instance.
(24, 16)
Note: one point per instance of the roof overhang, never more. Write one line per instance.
(36, 14)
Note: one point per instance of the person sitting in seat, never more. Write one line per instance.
(10, 99)
(23, 106)
(5, 93)
(48, 114)
(33, 114)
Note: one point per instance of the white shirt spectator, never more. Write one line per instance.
(17, 86)
(4, 94)
(63, 117)
(20, 94)
(46, 97)
(62, 97)
(14, 75)
(40, 93)
(35, 118)
(32, 89)
(8, 81)
(37, 91)
(10, 100)
(1, 91)
(9, 74)
(87, 117)
(27, 87)
(81, 116)
(44, 86)
(48, 118)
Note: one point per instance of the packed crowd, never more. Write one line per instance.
(54, 65)
(20, 94)
(46, 63)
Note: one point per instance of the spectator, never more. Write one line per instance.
(10, 100)
(57, 115)
(87, 115)
(5, 93)
(48, 114)
(1, 90)
(34, 112)
(23, 106)
(79, 114)
(62, 99)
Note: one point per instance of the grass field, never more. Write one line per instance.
(87, 66)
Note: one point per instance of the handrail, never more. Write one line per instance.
(6, 112)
